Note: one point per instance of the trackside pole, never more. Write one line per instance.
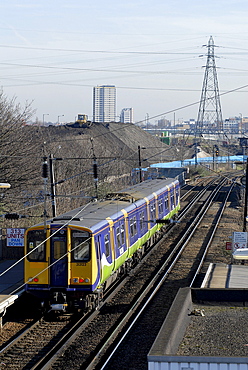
(245, 205)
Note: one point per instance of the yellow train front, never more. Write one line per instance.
(73, 258)
(61, 267)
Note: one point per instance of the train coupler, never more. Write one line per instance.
(59, 302)
(58, 307)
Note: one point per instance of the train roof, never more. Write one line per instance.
(95, 213)
(144, 189)
(92, 214)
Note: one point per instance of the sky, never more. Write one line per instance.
(52, 54)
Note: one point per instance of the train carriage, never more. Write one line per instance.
(71, 259)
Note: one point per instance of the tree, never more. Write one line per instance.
(17, 162)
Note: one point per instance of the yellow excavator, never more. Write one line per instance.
(82, 121)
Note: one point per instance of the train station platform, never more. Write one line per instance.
(220, 275)
(11, 284)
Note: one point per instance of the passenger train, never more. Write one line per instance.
(73, 258)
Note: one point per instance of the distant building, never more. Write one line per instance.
(232, 125)
(163, 122)
(244, 124)
(104, 103)
(126, 115)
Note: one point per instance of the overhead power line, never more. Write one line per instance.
(89, 69)
(119, 51)
(100, 51)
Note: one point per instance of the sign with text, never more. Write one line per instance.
(239, 240)
(15, 237)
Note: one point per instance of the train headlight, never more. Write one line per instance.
(30, 280)
(87, 280)
(75, 280)
(81, 280)
(36, 280)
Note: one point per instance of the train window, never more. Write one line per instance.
(140, 221)
(80, 246)
(177, 196)
(36, 246)
(142, 218)
(160, 206)
(59, 247)
(131, 227)
(153, 211)
(118, 237)
(172, 200)
(107, 245)
(122, 235)
(166, 203)
(134, 225)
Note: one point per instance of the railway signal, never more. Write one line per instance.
(216, 150)
(45, 169)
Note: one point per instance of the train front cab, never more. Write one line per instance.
(63, 270)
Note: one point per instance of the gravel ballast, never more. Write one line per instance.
(222, 331)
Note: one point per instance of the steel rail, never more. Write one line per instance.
(195, 199)
(190, 190)
(212, 235)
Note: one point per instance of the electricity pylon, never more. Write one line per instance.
(209, 114)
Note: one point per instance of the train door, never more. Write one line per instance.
(58, 262)
(172, 196)
(109, 252)
(98, 254)
(177, 195)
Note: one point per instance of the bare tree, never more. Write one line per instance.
(17, 158)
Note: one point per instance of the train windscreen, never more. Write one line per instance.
(80, 246)
(36, 245)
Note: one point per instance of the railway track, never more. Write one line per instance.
(187, 256)
(105, 320)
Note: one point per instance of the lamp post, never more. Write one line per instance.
(53, 183)
(241, 121)
(43, 120)
(195, 141)
(245, 205)
(62, 115)
(53, 189)
(174, 131)
(140, 168)
(147, 120)
(140, 175)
